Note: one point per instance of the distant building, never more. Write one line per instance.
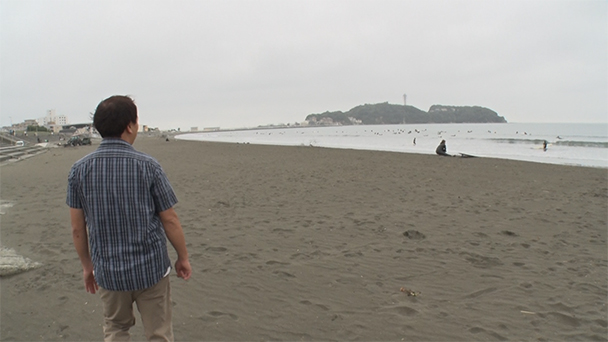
(30, 122)
(54, 128)
(19, 126)
(52, 119)
(211, 129)
(193, 129)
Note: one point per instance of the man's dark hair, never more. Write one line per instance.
(113, 115)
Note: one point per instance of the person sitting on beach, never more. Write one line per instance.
(442, 150)
(126, 201)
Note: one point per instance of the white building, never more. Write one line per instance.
(52, 118)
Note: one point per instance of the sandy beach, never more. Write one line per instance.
(314, 244)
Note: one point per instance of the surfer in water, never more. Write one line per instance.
(442, 150)
(545, 145)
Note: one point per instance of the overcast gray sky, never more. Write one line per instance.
(249, 63)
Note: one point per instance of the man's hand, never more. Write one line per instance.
(183, 269)
(90, 284)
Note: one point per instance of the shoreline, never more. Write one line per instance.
(427, 153)
(512, 141)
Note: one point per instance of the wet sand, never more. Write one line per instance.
(304, 243)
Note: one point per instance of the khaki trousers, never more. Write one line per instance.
(153, 304)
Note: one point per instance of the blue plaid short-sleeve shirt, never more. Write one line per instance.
(121, 192)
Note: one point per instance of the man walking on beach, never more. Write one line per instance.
(125, 200)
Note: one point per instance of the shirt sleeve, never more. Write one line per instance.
(162, 192)
(73, 200)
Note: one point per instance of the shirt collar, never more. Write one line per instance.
(115, 142)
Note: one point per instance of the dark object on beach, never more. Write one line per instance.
(442, 150)
(414, 235)
(167, 139)
(410, 293)
(77, 141)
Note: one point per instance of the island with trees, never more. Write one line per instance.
(390, 114)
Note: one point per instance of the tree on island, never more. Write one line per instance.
(391, 114)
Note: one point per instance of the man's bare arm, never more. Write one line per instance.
(81, 242)
(175, 234)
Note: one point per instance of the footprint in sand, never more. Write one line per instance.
(481, 261)
(274, 262)
(414, 235)
(217, 249)
(218, 314)
(284, 274)
(404, 310)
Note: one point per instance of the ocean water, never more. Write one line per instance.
(568, 144)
